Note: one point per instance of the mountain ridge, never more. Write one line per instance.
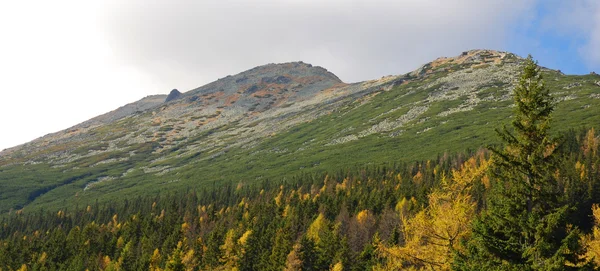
(277, 120)
(151, 101)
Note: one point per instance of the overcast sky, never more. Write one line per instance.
(63, 62)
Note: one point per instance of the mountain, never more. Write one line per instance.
(277, 121)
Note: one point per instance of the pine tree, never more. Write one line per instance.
(526, 224)
(308, 254)
(281, 248)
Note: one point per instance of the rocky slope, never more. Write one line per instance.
(275, 121)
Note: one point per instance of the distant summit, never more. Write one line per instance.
(472, 58)
(264, 87)
(291, 75)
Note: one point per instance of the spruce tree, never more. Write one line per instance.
(309, 255)
(525, 226)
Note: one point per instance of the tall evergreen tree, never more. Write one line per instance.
(309, 255)
(526, 224)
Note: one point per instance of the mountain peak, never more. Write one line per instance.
(478, 56)
(472, 58)
(294, 69)
(265, 86)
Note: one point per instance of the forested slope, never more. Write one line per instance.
(379, 217)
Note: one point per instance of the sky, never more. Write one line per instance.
(64, 62)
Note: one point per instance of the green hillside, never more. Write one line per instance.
(241, 131)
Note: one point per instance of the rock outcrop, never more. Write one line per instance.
(173, 95)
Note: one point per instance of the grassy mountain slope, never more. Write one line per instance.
(279, 120)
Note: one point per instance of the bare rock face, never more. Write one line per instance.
(173, 95)
(267, 86)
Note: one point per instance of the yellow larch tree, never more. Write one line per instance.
(243, 243)
(316, 228)
(337, 267)
(434, 233)
(229, 249)
(293, 262)
(155, 260)
(592, 241)
(189, 260)
(590, 143)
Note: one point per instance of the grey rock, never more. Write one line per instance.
(572, 85)
(276, 79)
(173, 95)
(252, 89)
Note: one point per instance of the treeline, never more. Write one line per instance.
(400, 216)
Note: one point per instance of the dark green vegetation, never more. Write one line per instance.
(209, 225)
(528, 224)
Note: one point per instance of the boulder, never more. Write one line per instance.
(174, 94)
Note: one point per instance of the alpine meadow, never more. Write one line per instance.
(481, 161)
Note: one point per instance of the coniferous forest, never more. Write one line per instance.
(528, 204)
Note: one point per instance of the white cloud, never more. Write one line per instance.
(196, 42)
(57, 69)
(592, 47)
